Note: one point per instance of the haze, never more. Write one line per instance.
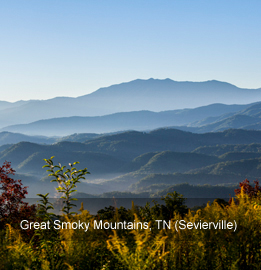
(72, 48)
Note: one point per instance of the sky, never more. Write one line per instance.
(71, 48)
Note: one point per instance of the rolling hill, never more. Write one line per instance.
(135, 161)
(248, 118)
(218, 150)
(127, 146)
(137, 120)
(11, 138)
(153, 95)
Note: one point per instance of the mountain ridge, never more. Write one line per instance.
(136, 120)
(153, 94)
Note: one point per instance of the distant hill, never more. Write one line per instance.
(153, 95)
(7, 105)
(11, 138)
(28, 158)
(248, 118)
(7, 138)
(132, 144)
(4, 146)
(181, 178)
(138, 120)
(178, 171)
(198, 191)
(127, 146)
(243, 168)
(132, 161)
(235, 121)
(168, 162)
(211, 118)
(218, 150)
(79, 137)
(193, 192)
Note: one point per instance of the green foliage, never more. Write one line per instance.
(48, 247)
(150, 248)
(147, 251)
(44, 206)
(67, 180)
(174, 203)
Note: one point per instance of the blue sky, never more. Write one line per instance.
(70, 48)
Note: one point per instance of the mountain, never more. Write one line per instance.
(235, 121)
(11, 138)
(243, 168)
(139, 120)
(138, 153)
(28, 158)
(157, 191)
(254, 110)
(218, 150)
(79, 137)
(181, 178)
(8, 138)
(198, 191)
(153, 95)
(6, 105)
(248, 118)
(168, 162)
(129, 145)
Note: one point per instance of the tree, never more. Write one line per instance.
(67, 180)
(12, 207)
(173, 202)
(252, 192)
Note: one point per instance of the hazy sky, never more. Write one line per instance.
(70, 48)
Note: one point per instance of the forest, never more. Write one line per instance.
(148, 247)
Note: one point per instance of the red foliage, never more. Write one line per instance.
(12, 207)
(248, 189)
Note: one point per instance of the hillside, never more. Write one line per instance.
(168, 162)
(198, 191)
(248, 118)
(132, 144)
(153, 95)
(131, 161)
(181, 178)
(28, 158)
(247, 168)
(129, 145)
(218, 150)
(137, 120)
(235, 122)
(11, 138)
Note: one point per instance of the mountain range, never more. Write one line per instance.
(139, 120)
(210, 118)
(131, 161)
(140, 137)
(153, 95)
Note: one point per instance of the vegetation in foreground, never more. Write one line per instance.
(127, 249)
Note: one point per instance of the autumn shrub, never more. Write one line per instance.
(147, 251)
(147, 248)
(221, 248)
(12, 206)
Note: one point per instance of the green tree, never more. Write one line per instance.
(67, 180)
